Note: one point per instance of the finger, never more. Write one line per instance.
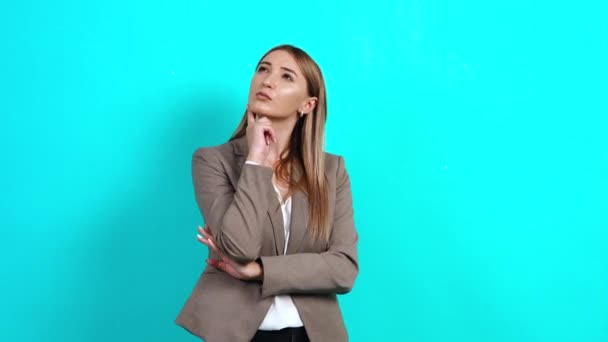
(263, 119)
(217, 263)
(221, 265)
(213, 262)
(202, 240)
(212, 245)
(209, 242)
(231, 271)
(270, 132)
(205, 234)
(223, 256)
(230, 262)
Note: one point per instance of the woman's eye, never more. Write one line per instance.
(262, 68)
(288, 76)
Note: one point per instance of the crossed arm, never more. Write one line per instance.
(235, 218)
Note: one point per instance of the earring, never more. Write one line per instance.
(301, 114)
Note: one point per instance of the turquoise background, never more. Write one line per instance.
(475, 134)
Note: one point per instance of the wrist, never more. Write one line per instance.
(255, 159)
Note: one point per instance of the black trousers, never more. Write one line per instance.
(283, 335)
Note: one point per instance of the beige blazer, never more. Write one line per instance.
(240, 205)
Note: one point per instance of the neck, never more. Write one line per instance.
(283, 129)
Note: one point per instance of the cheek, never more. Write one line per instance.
(253, 86)
(291, 97)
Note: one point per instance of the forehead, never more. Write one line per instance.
(280, 58)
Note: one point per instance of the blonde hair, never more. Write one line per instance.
(306, 145)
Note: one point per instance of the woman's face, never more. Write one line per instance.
(278, 88)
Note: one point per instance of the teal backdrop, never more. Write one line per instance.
(475, 134)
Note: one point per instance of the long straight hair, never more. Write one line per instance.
(306, 149)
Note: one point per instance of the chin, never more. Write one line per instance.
(262, 108)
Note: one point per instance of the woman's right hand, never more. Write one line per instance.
(261, 139)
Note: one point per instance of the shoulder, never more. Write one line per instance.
(332, 160)
(334, 164)
(225, 148)
(215, 154)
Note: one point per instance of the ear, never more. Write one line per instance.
(308, 105)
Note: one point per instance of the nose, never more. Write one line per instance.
(269, 80)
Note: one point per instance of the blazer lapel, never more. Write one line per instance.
(276, 219)
(299, 221)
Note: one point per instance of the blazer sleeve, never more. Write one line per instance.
(332, 271)
(235, 216)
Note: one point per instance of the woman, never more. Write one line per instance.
(279, 217)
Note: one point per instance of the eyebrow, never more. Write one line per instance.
(287, 69)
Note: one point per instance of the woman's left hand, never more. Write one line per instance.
(249, 271)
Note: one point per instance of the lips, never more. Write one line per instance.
(262, 95)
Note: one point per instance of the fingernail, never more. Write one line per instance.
(200, 236)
